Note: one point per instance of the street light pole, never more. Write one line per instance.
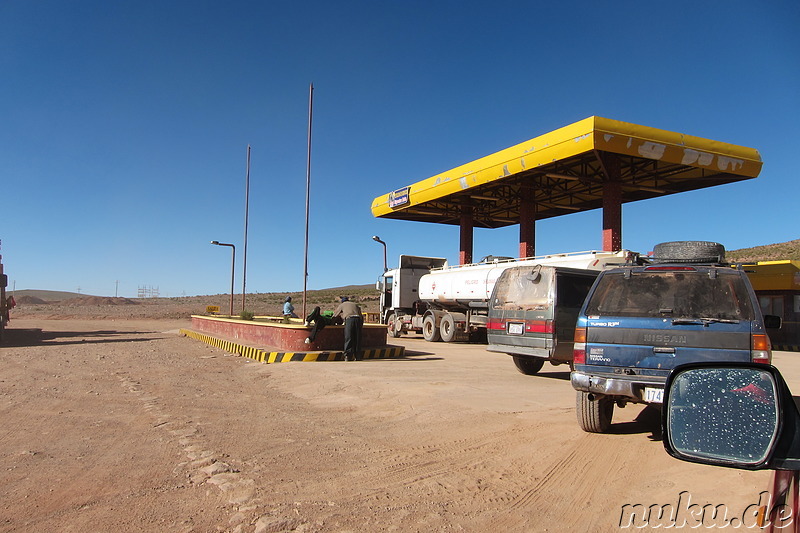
(378, 239)
(233, 271)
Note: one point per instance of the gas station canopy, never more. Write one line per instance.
(569, 170)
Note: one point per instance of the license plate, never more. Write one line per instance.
(653, 395)
(516, 328)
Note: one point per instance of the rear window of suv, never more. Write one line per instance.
(689, 294)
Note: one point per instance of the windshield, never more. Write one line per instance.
(691, 295)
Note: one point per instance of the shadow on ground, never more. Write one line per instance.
(13, 337)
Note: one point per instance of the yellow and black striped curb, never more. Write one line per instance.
(786, 347)
(264, 356)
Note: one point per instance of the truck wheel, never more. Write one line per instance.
(429, 329)
(447, 328)
(528, 365)
(689, 252)
(392, 326)
(594, 416)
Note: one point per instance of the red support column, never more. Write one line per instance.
(465, 244)
(612, 204)
(527, 223)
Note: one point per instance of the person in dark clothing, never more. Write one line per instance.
(353, 320)
(317, 322)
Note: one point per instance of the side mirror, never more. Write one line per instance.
(378, 285)
(739, 415)
(772, 322)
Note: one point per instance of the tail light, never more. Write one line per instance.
(495, 324)
(761, 349)
(579, 348)
(539, 326)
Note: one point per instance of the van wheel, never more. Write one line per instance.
(594, 416)
(447, 328)
(528, 365)
(429, 329)
(392, 326)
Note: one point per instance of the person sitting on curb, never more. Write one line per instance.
(288, 308)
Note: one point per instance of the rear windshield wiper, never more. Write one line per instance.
(702, 321)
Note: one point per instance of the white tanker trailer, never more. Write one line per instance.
(442, 302)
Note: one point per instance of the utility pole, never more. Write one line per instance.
(308, 191)
(246, 217)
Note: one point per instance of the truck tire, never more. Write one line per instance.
(528, 365)
(392, 326)
(447, 328)
(689, 252)
(594, 416)
(429, 329)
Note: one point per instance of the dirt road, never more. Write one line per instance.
(127, 426)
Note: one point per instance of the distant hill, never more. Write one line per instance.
(47, 296)
(767, 252)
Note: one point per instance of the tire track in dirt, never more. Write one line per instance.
(569, 479)
(471, 470)
(205, 465)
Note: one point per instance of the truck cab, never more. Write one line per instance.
(399, 292)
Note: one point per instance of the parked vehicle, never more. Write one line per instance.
(450, 303)
(738, 415)
(639, 322)
(532, 314)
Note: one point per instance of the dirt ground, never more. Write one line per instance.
(124, 425)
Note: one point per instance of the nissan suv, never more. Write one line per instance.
(639, 321)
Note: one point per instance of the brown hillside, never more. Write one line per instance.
(768, 252)
(29, 300)
(99, 300)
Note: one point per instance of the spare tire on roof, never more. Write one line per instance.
(689, 252)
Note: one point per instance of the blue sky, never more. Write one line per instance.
(124, 127)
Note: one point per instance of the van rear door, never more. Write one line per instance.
(521, 312)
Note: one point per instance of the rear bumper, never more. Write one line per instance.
(629, 388)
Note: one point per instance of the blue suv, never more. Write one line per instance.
(639, 321)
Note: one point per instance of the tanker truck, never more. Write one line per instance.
(450, 303)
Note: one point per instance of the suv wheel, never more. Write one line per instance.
(528, 365)
(594, 416)
(689, 252)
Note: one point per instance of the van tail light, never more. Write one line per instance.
(761, 349)
(539, 326)
(495, 325)
(579, 348)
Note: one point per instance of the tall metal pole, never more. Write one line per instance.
(308, 193)
(246, 218)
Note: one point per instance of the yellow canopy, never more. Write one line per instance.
(566, 168)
